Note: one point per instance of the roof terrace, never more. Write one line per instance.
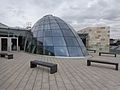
(73, 74)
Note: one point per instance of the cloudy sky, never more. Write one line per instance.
(78, 13)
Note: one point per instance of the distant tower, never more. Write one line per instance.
(28, 25)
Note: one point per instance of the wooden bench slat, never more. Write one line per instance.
(107, 53)
(43, 63)
(103, 62)
(53, 67)
(9, 55)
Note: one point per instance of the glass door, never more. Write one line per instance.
(14, 44)
(4, 44)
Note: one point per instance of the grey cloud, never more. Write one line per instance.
(78, 13)
(47, 3)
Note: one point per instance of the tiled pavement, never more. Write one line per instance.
(73, 74)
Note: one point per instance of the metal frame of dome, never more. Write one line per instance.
(55, 37)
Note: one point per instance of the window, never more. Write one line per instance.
(52, 21)
(61, 51)
(56, 33)
(35, 34)
(49, 50)
(63, 26)
(84, 50)
(74, 51)
(71, 41)
(59, 41)
(59, 20)
(54, 26)
(39, 49)
(67, 33)
(46, 26)
(46, 21)
(48, 41)
(47, 33)
(80, 41)
(40, 41)
(40, 33)
(40, 27)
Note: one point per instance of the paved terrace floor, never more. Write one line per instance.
(73, 74)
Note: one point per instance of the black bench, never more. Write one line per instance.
(107, 53)
(104, 62)
(53, 67)
(9, 55)
(92, 50)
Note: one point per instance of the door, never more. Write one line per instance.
(4, 44)
(14, 44)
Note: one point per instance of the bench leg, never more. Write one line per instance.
(94, 51)
(32, 65)
(99, 54)
(88, 63)
(53, 69)
(116, 67)
(10, 56)
(2, 55)
(115, 55)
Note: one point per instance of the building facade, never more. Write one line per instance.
(13, 39)
(98, 38)
(49, 36)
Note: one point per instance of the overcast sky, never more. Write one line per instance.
(78, 13)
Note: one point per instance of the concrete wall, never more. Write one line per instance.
(98, 38)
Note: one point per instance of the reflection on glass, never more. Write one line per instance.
(56, 33)
(40, 41)
(40, 33)
(48, 41)
(35, 34)
(75, 51)
(55, 37)
(61, 51)
(54, 26)
(39, 49)
(84, 50)
(47, 33)
(71, 41)
(46, 26)
(67, 32)
(59, 41)
(49, 50)
(63, 26)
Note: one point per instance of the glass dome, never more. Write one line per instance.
(55, 37)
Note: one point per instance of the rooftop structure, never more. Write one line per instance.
(13, 38)
(3, 25)
(55, 37)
